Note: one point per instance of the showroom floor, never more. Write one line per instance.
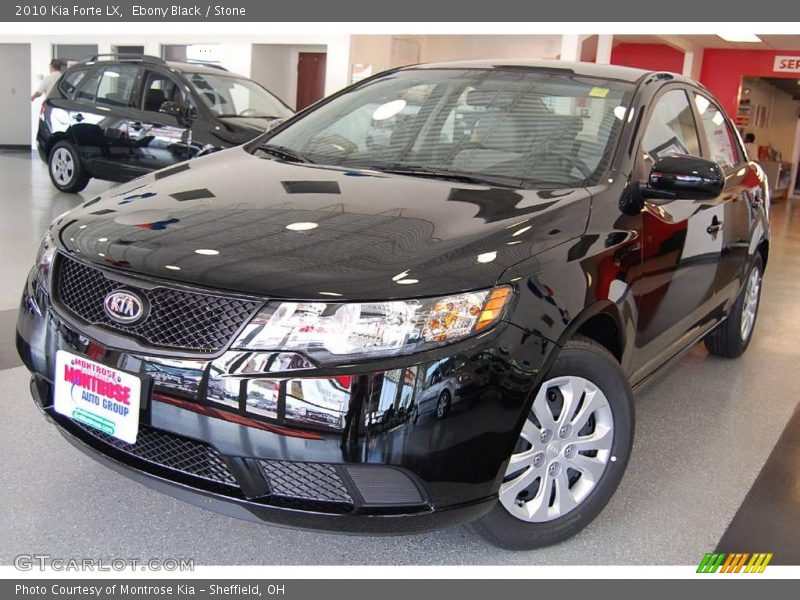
(704, 432)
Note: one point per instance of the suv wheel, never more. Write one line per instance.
(731, 337)
(66, 171)
(571, 454)
(443, 405)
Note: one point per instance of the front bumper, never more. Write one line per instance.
(391, 466)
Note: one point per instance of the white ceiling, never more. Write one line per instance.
(768, 42)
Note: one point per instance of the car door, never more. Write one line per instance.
(722, 146)
(158, 139)
(98, 114)
(681, 239)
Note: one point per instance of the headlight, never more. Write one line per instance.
(44, 260)
(326, 330)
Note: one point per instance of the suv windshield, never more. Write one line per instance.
(544, 128)
(231, 96)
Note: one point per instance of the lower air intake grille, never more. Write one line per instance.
(315, 482)
(179, 319)
(172, 452)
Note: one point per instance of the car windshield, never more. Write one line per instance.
(548, 127)
(230, 96)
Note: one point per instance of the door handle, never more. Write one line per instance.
(136, 126)
(78, 117)
(715, 227)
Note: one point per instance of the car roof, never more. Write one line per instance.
(181, 67)
(586, 69)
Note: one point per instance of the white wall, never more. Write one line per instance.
(14, 94)
(466, 47)
(275, 67)
(381, 51)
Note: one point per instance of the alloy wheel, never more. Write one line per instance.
(562, 452)
(750, 306)
(62, 166)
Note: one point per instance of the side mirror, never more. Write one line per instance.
(684, 178)
(172, 108)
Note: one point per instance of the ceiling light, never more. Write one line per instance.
(82, 227)
(301, 226)
(329, 294)
(388, 110)
(206, 252)
(172, 267)
(739, 37)
(402, 275)
(102, 239)
(521, 231)
(487, 257)
(407, 281)
(512, 243)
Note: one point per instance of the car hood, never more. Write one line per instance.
(225, 221)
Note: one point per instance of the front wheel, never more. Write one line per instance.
(731, 337)
(571, 453)
(66, 171)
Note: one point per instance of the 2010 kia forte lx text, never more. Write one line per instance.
(422, 301)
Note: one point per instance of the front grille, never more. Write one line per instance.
(304, 481)
(170, 451)
(178, 319)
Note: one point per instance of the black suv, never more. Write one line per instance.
(258, 331)
(117, 117)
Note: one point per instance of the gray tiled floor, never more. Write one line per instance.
(703, 432)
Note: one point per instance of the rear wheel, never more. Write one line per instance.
(443, 405)
(66, 171)
(571, 453)
(731, 337)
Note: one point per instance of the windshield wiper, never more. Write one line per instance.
(446, 174)
(284, 153)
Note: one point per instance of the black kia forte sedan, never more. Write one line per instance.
(263, 331)
(119, 116)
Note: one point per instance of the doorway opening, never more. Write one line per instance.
(768, 118)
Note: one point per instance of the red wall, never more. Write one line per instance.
(655, 57)
(723, 71)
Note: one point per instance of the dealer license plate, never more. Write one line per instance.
(97, 395)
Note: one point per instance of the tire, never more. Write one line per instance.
(65, 168)
(732, 337)
(610, 419)
(443, 405)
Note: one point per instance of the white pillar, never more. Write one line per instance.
(692, 62)
(571, 47)
(605, 43)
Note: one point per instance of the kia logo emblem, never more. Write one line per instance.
(124, 307)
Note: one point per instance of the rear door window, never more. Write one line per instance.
(117, 85)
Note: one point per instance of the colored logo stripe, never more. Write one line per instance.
(734, 562)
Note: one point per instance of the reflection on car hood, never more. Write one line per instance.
(223, 221)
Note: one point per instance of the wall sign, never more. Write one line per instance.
(786, 64)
